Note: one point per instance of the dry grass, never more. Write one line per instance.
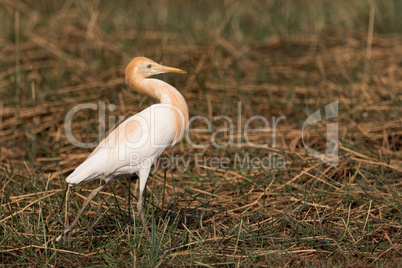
(275, 63)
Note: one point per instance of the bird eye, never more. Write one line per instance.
(149, 66)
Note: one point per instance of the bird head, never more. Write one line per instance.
(144, 67)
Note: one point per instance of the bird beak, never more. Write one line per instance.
(166, 69)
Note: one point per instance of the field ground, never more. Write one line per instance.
(270, 59)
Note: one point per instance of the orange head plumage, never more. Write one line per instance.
(144, 67)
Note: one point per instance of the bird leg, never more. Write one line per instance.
(69, 229)
(142, 215)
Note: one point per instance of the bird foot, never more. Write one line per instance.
(68, 231)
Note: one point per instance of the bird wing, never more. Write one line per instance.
(133, 145)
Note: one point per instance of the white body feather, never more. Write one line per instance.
(133, 146)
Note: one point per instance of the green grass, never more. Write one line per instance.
(277, 58)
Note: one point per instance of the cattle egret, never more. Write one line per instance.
(134, 145)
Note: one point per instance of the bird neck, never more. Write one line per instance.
(166, 94)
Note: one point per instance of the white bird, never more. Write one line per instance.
(135, 144)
